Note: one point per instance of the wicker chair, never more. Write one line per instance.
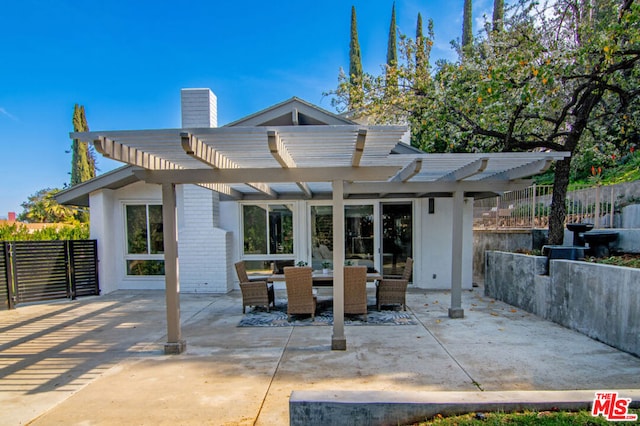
(254, 293)
(355, 290)
(300, 298)
(392, 291)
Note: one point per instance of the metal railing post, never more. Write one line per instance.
(533, 206)
(597, 212)
(612, 209)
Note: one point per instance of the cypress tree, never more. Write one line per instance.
(82, 159)
(419, 43)
(392, 52)
(467, 25)
(355, 64)
(498, 14)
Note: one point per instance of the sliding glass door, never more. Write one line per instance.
(359, 235)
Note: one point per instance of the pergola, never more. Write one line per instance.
(306, 162)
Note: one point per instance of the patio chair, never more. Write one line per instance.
(254, 293)
(392, 291)
(300, 298)
(355, 290)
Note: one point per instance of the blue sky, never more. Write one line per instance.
(126, 61)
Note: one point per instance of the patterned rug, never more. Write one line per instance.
(389, 315)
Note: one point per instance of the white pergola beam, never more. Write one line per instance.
(409, 171)
(305, 188)
(223, 189)
(464, 172)
(525, 170)
(199, 150)
(130, 155)
(268, 175)
(204, 153)
(359, 148)
(279, 151)
(431, 187)
(283, 157)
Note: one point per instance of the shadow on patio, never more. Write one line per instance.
(100, 360)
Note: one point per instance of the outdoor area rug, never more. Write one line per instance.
(389, 315)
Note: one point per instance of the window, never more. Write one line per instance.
(267, 235)
(145, 240)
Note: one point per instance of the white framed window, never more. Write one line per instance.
(267, 236)
(144, 237)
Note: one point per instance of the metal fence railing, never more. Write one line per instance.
(33, 271)
(529, 208)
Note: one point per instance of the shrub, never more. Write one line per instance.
(20, 232)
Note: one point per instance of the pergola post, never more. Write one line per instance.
(175, 344)
(456, 311)
(338, 339)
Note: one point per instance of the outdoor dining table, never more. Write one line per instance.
(323, 280)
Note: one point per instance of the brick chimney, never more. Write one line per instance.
(199, 108)
(11, 217)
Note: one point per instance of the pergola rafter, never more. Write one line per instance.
(282, 156)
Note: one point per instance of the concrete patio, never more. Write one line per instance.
(99, 360)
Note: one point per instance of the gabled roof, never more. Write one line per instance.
(292, 112)
(78, 195)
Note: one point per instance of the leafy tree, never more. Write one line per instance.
(83, 166)
(553, 79)
(355, 64)
(562, 76)
(42, 207)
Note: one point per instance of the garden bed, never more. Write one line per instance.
(629, 260)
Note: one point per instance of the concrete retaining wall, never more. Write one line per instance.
(533, 239)
(380, 408)
(503, 240)
(601, 301)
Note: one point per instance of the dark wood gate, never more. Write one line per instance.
(33, 271)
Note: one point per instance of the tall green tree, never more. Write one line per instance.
(467, 25)
(423, 45)
(392, 54)
(498, 14)
(355, 65)
(420, 44)
(83, 165)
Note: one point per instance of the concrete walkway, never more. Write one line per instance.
(99, 360)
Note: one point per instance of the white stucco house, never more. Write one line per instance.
(265, 188)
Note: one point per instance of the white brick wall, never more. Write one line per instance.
(199, 108)
(204, 250)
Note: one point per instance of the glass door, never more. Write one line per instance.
(397, 237)
(359, 242)
(359, 238)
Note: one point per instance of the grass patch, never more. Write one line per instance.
(545, 418)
